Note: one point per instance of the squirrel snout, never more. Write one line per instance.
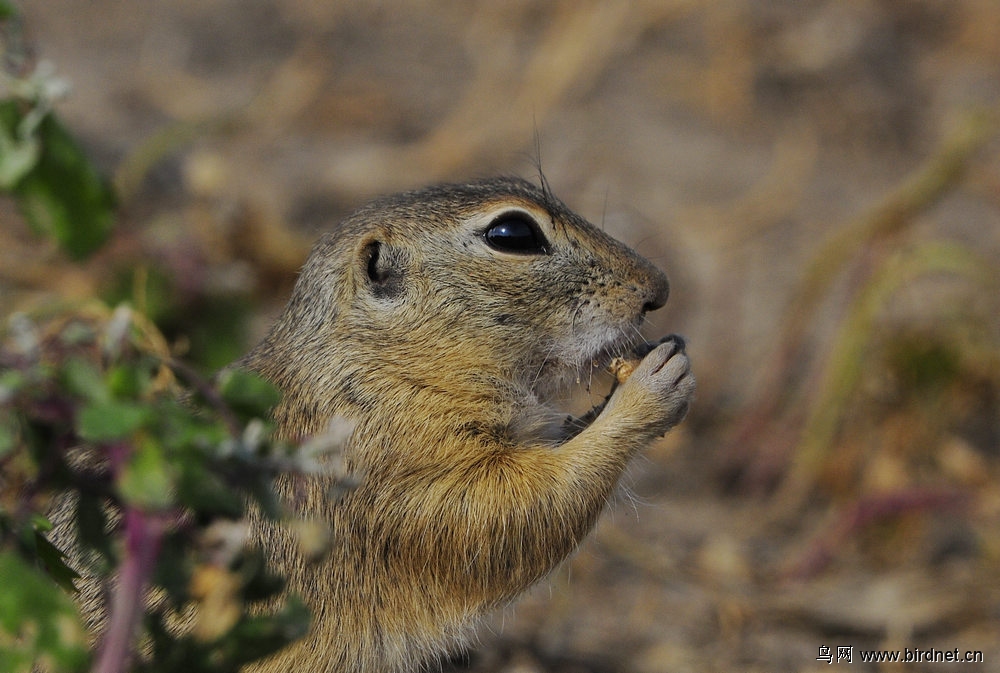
(656, 291)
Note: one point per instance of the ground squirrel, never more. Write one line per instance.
(440, 322)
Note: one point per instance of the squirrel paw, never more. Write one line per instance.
(656, 392)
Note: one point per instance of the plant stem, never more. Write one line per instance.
(143, 535)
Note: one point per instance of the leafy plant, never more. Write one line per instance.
(146, 487)
(42, 166)
(122, 472)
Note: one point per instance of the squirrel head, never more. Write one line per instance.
(463, 287)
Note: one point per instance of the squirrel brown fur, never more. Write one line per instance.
(440, 322)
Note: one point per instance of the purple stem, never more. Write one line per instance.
(143, 535)
(865, 512)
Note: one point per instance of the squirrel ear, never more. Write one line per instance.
(384, 270)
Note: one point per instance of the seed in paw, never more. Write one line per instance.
(622, 368)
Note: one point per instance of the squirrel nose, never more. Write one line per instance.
(657, 290)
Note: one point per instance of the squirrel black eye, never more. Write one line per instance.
(516, 233)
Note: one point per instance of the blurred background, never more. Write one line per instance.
(820, 179)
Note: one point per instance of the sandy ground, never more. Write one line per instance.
(815, 177)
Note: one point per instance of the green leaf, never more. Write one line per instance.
(258, 636)
(8, 435)
(63, 196)
(81, 378)
(173, 568)
(178, 655)
(40, 523)
(108, 421)
(147, 480)
(36, 545)
(247, 394)
(259, 583)
(11, 382)
(7, 10)
(205, 492)
(17, 156)
(260, 491)
(91, 526)
(54, 561)
(37, 620)
(128, 381)
(181, 428)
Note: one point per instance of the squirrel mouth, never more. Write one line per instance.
(569, 368)
(602, 361)
(618, 343)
